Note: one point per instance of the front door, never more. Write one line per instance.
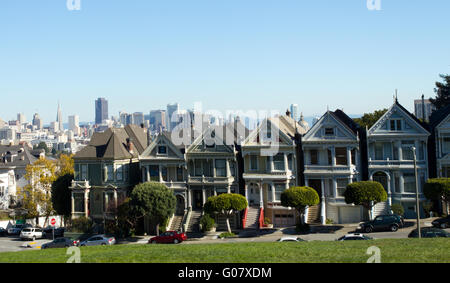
(316, 184)
(198, 199)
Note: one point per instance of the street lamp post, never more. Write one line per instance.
(417, 193)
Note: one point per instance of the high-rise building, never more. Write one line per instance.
(158, 120)
(21, 118)
(172, 120)
(294, 112)
(421, 105)
(74, 124)
(37, 121)
(59, 119)
(101, 110)
(138, 118)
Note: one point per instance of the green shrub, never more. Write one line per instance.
(82, 225)
(398, 209)
(329, 221)
(267, 221)
(207, 223)
(227, 235)
(427, 207)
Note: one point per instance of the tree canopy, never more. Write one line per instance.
(365, 193)
(226, 205)
(442, 91)
(438, 189)
(369, 119)
(300, 198)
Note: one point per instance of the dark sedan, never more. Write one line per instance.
(3, 232)
(59, 232)
(443, 222)
(60, 243)
(429, 232)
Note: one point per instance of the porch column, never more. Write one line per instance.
(86, 203)
(73, 204)
(399, 149)
(215, 192)
(203, 195)
(323, 212)
(115, 198)
(148, 173)
(229, 189)
(189, 194)
(272, 186)
(334, 187)
(286, 164)
(333, 156)
(389, 191)
(160, 174)
(401, 182)
(228, 168)
(261, 200)
(272, 167)
(246, 193)
(349, 156)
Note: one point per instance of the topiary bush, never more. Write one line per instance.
(438, 190)
(397, 209)
(207, 223)
(300, 198)
(365, 193)
(82, 225)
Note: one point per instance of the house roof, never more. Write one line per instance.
(438, 116)
(112, 144)
(349, 122)
(21, 156)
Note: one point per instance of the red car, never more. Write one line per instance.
(168, 237)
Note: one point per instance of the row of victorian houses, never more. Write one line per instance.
(261, 164)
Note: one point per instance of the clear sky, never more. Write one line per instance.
(227, 54)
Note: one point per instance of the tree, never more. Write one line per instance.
(442, 91)
(226, 205)
(42, 145)
(62, 195)
(438, 190)
(300, 198)
(369, 119)
(365, 193)
(153, 200)
(65, 165)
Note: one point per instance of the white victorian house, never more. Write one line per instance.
(390, 145)
(332, 161)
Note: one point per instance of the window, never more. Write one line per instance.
(314, 153)
(179, 174)
(329, 131)
(162, 149)
(353, 156)
(329, 157)
(446, 145)
(409, 180)
(341, 156)
(253, 162)
(379, 151)
(164, 173)
(279, 188)
(154, 173)
(290, 158)
(407, 152)
(221, 168)
(110, 171)
(84, 172)
(119, 172)
(341, 187)
(278, 162)
(198, 168)
(79, 202)
(396, 125)
(233, 169)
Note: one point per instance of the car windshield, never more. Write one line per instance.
(26, 230)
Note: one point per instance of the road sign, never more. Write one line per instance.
(53, 221)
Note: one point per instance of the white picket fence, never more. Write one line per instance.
(9, 223)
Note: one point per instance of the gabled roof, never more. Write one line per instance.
(165, 137)
(220, 139)
(438, 116)
(420, 126)
(338, 118)
(112, 144)
(284, 125)
(21, 156)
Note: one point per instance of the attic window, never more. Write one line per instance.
(396, 125)
(162, 149)
(329, 131)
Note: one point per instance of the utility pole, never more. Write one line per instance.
(417, 194)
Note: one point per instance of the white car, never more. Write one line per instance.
(290, 239)
(32, 234)
(354, 236)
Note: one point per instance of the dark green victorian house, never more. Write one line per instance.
(106, 171)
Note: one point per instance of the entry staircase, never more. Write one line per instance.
(313, 214)
(252, 218)
(381, 208)
(194, 222)
(177, 222)
(222, 223)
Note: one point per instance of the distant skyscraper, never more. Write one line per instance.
(158, 120)
(172, 121)
(21, 118)
(101, 110)
(423, 104)
(74, 124)
(294, 112)
(138, 118)
(59, 119)
(37, 121)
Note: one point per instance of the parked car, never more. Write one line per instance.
(429, 232)
(59, 232)
(3, 232)
(290, 239)
(383, 223)
(354, 236)
(443, 222)
(169, 237)
(16, 229)
(98, 240)
(60, 243)
(32, 233)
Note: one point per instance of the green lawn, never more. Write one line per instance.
(392, 250)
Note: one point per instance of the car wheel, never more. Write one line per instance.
(444, 225)
(368, 229)
(34, 238)
(176, 241)
(394, 228)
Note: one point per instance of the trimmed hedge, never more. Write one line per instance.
(363, 193)
(300, 198)
(398, 209)
(437, 189)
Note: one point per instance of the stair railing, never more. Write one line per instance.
(244, 220)
(186, 219)
(261, 218)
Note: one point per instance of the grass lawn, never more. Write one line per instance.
(392, 250)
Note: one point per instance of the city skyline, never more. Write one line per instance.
(248, 55)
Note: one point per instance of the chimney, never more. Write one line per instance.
(130, 146)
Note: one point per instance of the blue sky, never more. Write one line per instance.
(227, 54)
